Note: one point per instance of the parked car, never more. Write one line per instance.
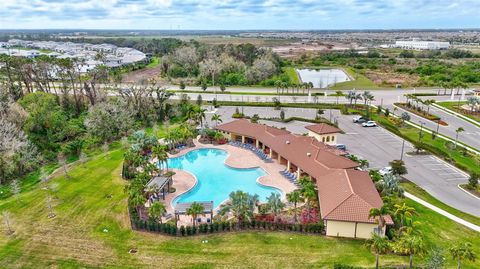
(369, 123)
(385, 170)
(359, 119)
(341, 146)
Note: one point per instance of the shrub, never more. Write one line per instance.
(182, 230)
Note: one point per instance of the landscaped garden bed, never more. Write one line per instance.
(419, 111)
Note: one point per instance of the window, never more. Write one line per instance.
(323, 139)
(328, 138)
(333, 138)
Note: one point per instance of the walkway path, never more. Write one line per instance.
(443, 212)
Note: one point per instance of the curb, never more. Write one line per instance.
(456, 114)
(464, 190)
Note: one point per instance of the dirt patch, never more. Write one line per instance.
(141, 75)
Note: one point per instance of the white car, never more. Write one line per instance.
(384, 171)
(369, 124)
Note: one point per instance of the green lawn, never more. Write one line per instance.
(454, 106)
(421, 193)
(292, 75)
(154, 63)
(360, 82)
(76, 237)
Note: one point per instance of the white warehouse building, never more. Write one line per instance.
(422, 45)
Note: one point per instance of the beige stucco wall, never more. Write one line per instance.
(347, 229)
(332, 138)
(340, 228)
(364, 230)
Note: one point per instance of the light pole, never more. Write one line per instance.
(438, 124)
(421, 131)
(403, 146)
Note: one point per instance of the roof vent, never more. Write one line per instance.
(309, 154)
(287, 142)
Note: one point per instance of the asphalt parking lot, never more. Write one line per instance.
(379, 147)
(436, 176)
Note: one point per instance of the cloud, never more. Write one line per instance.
(238, 14)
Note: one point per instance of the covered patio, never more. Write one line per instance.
(182, 208)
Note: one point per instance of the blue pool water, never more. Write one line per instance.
(215, 180)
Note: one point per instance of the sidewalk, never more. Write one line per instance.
(443, 212)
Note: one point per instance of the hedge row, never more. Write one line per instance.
(272, 104)
(220, 226)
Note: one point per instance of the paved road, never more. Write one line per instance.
(379, 146)
(471, 135)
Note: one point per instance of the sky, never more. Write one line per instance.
(239, 14)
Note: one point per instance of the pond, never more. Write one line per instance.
(323, 77)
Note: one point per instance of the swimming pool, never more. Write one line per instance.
(215, 180)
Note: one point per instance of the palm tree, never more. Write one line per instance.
(357, 96)
(428, 102)
(295, 197)
(275, 204)
(216, 118)
(378, 245)
(338, 94)
(308, 191)
(462, 251)
(367, 97)
(156, 211)
(278, 85)
(409, 245)
(379, 215)
(404, 213)
(194, 210)
(350, 96)
(472, 102)
(240, 204)
(458, 131)
(160, 153)
(137, 199)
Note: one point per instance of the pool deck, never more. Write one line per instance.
(237, 158)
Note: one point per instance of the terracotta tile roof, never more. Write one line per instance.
(323, 128)
(344, 194)
(348, 195)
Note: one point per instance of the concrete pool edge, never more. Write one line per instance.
(261, 180)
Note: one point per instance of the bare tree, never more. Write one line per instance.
(7, 221)
(50, 207)
(83, 157)
(105, 149)
(15, 189)
(62, 161)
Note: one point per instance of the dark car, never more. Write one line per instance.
(341, 147)
(359, 119)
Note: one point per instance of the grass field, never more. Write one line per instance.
(292, 74)
(421, 193)
(359, 82)
(92, 230)
(154, 63)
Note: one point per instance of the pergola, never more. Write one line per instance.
(161, 184)
(181, 209)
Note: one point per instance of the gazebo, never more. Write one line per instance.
(161, 185)
(181, 209)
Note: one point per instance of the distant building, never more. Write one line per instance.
(422, 45)
(324, 132)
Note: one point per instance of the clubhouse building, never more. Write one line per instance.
(345, 194)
